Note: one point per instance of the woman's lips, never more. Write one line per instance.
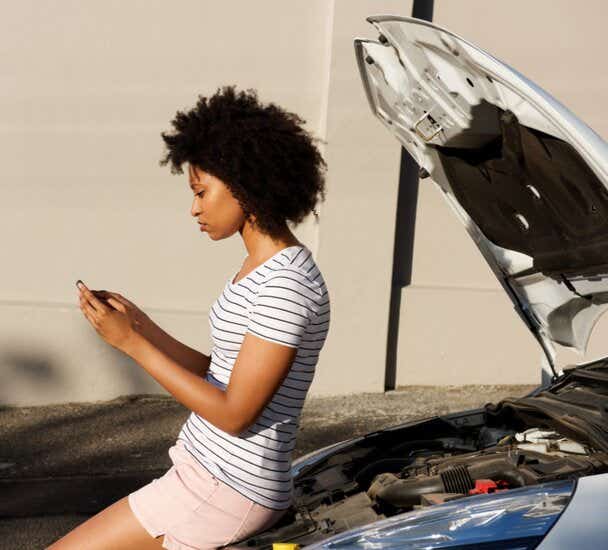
(203, 227)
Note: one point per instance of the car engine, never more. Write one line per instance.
(525, 458)
(557, 433)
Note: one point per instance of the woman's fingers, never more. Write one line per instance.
(86, 314)
(116, 304)
(88, 310)
(106, 295)
(101, 295)
(124, 300)
(116, 301)
(119, 297)
(95, 303)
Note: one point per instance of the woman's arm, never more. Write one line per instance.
(259, 369)
(191, 359)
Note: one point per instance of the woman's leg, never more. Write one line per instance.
(114, 528)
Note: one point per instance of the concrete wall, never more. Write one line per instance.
(87, 89)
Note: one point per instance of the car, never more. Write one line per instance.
(529, 181)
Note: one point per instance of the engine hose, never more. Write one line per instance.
(453, 479)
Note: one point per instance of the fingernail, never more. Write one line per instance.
(79, 283)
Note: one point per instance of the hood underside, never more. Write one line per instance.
(526, 177)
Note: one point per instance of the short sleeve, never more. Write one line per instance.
(283, 308)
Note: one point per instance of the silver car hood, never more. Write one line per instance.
(526, 177)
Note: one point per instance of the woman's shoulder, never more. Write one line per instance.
(297, 277)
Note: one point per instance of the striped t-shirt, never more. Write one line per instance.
(283, 300)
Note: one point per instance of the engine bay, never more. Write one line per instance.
(558, 433)
(518, 460)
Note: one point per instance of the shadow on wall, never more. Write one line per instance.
(36, 377)
(31, 370)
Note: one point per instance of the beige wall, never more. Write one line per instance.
(87, 89)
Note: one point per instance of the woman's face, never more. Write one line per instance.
(214, 205)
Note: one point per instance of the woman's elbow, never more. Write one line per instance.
(238, 426)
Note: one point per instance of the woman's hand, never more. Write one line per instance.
(142, 323)
(114, 318)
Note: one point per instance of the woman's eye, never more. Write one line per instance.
(199, 193)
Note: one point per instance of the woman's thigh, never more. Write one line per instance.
(114, 528)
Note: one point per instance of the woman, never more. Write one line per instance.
(252, 169)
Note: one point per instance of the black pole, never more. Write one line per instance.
(405, 224)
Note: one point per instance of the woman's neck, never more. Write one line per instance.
(261, 246)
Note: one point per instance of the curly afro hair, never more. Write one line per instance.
(270, 164)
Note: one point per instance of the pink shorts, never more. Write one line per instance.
(195, 510)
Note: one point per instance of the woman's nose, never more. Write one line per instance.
(194, 210)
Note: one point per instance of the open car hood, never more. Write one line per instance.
(527, 178)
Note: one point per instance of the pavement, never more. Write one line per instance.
(61, 464)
